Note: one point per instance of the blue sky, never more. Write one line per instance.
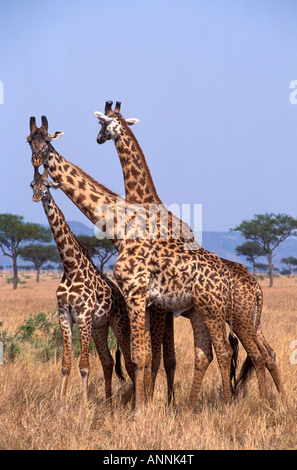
(208, 80)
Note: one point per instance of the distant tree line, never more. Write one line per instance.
(264, 233)
(15, 234)
(32, 243)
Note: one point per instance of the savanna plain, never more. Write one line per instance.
(31, 416)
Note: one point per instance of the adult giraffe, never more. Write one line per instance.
(148, 270)
(248, 296)
(140, 188)
(85, 296)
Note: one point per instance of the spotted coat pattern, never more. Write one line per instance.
(156, 271)
(149, 271)
(248, 296)
(86, 297)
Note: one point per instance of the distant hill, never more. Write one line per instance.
(78, 228)
(225, 243)
(221, 243)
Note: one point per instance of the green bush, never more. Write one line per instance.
(10, 280)
(11, 348)
(41, 334)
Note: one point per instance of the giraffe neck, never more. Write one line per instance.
(101, 206)
(69, 248)
(117, 217)
(139, 185)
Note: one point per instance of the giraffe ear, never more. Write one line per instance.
(131, 121)
(56, 135)
(54, 185)
(102, 118)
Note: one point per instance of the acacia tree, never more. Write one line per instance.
(268, 230)
(251, 250)
(102, 248)
(39, 254)
(262, 267)
(291, 262)
(14, 232)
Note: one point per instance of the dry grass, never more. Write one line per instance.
(29, 297)
(31, 417)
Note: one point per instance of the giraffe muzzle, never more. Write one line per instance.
(100, 140)
(36, 162)
(36, 198)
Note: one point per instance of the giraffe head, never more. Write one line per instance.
(39, 141)
(111, 122)
(41, 185)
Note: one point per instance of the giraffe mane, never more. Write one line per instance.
(140, 152)
(85, 250)
(88, 178)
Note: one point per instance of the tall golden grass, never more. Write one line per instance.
(31, 416)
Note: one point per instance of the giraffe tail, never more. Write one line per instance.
(118, 365)
(233, 339)
(258, 308)
(234, 360)
(245, 374)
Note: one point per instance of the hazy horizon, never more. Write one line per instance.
(209, 82)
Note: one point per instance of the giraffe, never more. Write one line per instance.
(149, 270)
(85, 296)
(139, 187)
(248, 295)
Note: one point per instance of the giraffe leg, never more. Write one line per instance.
(84, 363)
(100, 337)
(122, 333)
(66, 324)
(203, 354)
(121, 328)
(266, 345)
(271, 362)
(213, 316)
(224, 354)
(169, 356)
(256, 354)
(148, 383)
(137, 314)
(157, 327)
